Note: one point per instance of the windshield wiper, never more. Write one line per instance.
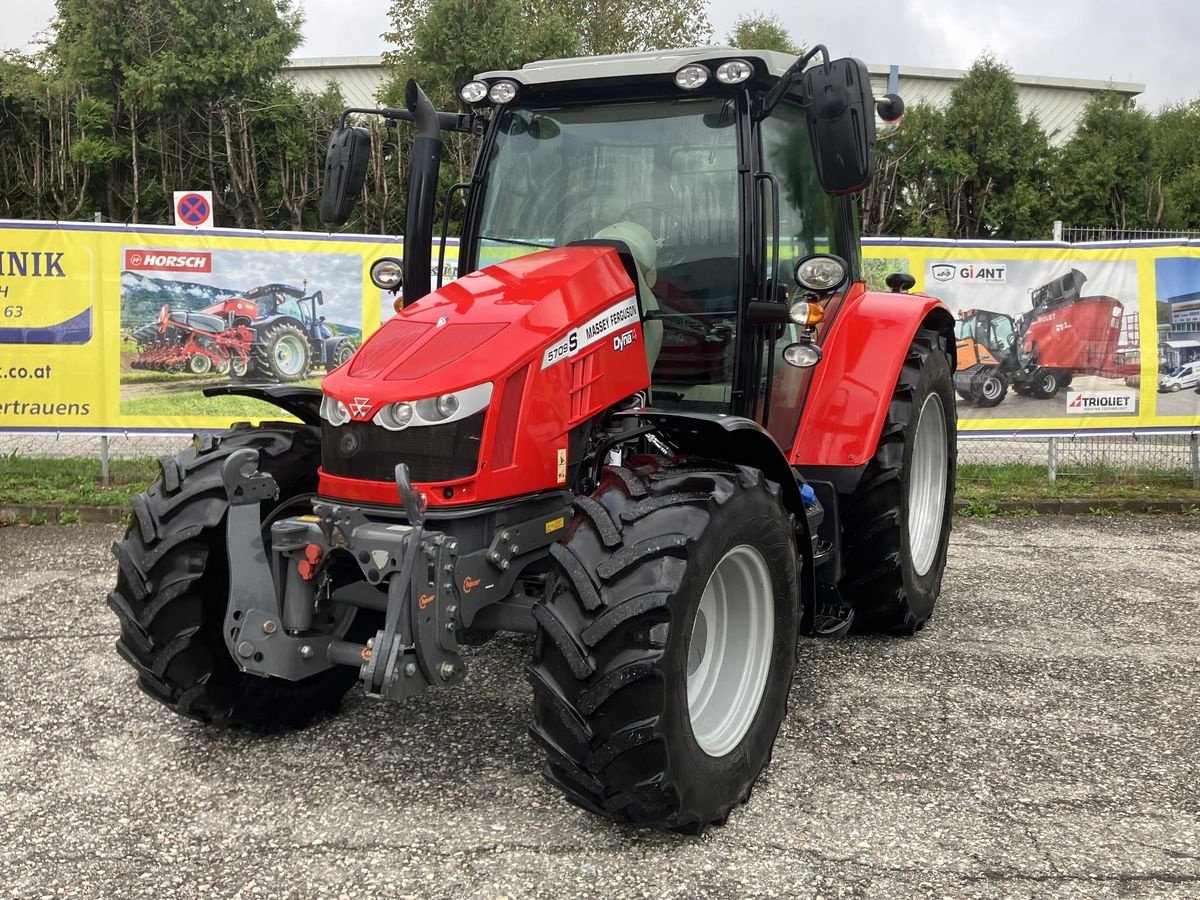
(484, 237)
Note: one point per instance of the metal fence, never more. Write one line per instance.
(1077, 234)
(1155, 459)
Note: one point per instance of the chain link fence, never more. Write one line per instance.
(1165, 460)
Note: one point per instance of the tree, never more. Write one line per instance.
(1175, 161)
(1105, 176)
(762, 31)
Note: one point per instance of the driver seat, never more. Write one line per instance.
(645, 254)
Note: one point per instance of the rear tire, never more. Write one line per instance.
(989, 389)
(282, 352)
(1045, 384)
(173, 582)
(624, 723)
(895, 533)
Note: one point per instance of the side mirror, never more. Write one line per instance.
(319, 296)
(841, 123)
(345, 171)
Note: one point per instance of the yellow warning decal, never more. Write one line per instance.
(307, 519)
(562, 465)
(555, 524)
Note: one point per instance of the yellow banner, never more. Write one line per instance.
(1058, 338)
(112, 328)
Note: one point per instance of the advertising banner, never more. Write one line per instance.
(113, 328)
(121, 328)
(1057, 338)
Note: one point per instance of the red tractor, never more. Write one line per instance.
(510, 453)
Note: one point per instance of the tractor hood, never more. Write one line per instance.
(482, 327)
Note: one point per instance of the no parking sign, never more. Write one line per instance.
(193, 209)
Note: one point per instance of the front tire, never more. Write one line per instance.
(173, 584)
(282, 352)
(897, 523)
(667, 642)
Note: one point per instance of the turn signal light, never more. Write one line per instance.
(805, 312)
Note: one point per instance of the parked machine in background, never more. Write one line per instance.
(520, 449)
(1039, 353)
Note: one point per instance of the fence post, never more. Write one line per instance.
(1195, 459)
(1052, 458)
(1058, 229)
(104, 460)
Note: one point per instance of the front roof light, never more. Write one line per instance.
(504, 91)
(473, 92)
(691, 77)
(821, 273)
(734, 71)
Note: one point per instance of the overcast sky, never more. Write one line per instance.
(1152, 42)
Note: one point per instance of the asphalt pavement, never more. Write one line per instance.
(1039, 738)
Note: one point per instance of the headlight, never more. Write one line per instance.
(502, 92)
(473, 92)
(435, 410)
(821, 273)
(334, 411)
(734, 71)
(804, 356)
(691, 77)
(395, 416)
(387, 274)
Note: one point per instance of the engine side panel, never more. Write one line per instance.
(557, 334)
(852, 386)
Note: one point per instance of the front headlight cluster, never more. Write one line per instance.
(415, 413)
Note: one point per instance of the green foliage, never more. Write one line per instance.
(73, 481)
(762, 31)
(977, 510)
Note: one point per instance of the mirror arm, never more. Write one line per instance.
(788, 78)
(465, 123)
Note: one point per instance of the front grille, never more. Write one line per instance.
(433, 452)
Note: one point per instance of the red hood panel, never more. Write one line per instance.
(482, 326)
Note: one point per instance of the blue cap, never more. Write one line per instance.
(807, 494)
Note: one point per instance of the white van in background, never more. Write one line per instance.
(1185, 376)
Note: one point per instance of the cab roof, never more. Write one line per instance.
(547, 72)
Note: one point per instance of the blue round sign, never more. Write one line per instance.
(192, 209)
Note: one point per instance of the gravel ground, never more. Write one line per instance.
(1038, 739)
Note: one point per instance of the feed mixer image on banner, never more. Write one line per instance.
(1064, 339)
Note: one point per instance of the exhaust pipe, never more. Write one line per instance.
(422, 194)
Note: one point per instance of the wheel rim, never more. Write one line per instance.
(289, 355)
(927, 484)
(200, 364)
(1049, 384)
(991, 388)
(729, 650)
(238, 367)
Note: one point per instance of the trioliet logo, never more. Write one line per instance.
(1097, 402)
(168, 261)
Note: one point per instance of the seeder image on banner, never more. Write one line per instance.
(192, 319)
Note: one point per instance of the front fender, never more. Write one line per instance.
(852, 386)
(302, 402)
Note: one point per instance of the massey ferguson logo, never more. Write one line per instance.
(158, 261)
(977, 273)
(359, 407)
(1097, 402)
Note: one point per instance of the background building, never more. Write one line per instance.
(1057, 102)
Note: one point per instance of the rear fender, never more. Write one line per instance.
(852, 386)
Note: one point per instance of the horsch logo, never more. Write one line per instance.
(974, 272)
(167, 261)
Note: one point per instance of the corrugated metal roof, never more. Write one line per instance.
(358, 77)
(1057, 102)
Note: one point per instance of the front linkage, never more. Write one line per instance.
(433, 591)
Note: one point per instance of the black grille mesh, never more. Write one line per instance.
(433, 452)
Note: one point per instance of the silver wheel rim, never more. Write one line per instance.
(200, 364)
(1049, 383)
(991, 388)
(729, 650)
(289, 355)
(927, 484)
